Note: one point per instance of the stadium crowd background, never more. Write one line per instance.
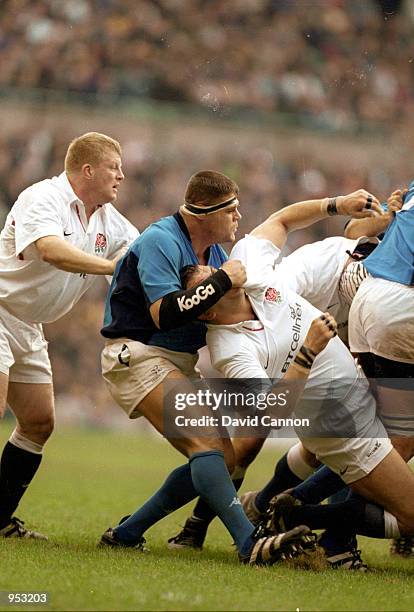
(293, 99)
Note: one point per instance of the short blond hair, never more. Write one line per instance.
(89, 148)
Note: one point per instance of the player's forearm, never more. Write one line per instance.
(295, 216)
(64, 256)
(291, 218)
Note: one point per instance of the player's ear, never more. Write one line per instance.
(208, 316)
(87, 171)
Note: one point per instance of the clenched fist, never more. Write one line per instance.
(359, 204)
(320, 332)
(236, 271)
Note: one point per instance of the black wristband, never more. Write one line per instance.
(305, 357)
(302, 362)
(181, 307)
(307, 353)
(331, 208)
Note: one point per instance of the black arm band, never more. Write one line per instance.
(331, 208)
(181, 307)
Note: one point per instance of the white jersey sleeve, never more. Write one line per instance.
(36, 214)
(259, 256)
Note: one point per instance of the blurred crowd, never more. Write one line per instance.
(330, 62)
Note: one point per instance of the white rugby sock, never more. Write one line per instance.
(391, 529)
(28, 445)
(297, 464)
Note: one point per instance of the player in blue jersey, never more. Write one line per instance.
(381, 329)
(151, 351)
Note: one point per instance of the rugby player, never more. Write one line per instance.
(58, 236)
(382, 329)
(152, 342)
(153, 335)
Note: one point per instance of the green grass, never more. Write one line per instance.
(90, 479)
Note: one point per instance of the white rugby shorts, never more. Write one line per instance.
(132, 369)
(381, 320)
(351, 458)
(23, 350)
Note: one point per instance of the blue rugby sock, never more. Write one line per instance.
(317, 487)
(202, 510)
(353, 515)
(176, 491)
(340, 496)
(336, 542)
(282, 479)
(213, 483)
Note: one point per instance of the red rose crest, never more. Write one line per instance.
(273, 295)
(100, 243)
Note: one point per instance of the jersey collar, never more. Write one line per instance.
(177, 216)
(65, 184)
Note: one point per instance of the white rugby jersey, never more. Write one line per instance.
(336, 393)
(265, 348)
(32, 289)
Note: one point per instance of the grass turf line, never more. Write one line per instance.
(89, 479)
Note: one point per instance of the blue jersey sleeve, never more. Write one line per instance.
(159, 264)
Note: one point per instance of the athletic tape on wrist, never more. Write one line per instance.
(331, 209)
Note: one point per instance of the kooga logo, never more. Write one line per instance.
(201, 294)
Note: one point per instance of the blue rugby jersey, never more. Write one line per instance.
(150, 270)
(393, 259)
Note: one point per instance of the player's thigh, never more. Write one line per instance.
(185, 429)
(33, 406)
(4, 383)
(6, 361)
(391, 485)
(404, 446)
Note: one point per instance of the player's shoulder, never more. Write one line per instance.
(163, 232)
(252, 245)
(47, 189)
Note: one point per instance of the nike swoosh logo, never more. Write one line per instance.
(67, 233)
(332, 305)
(342, 472)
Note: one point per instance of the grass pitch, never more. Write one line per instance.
(89, 479)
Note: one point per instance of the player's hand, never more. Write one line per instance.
(115, 260)
(395, 201)
(236, 272)
(359, 204)
(320, 332)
